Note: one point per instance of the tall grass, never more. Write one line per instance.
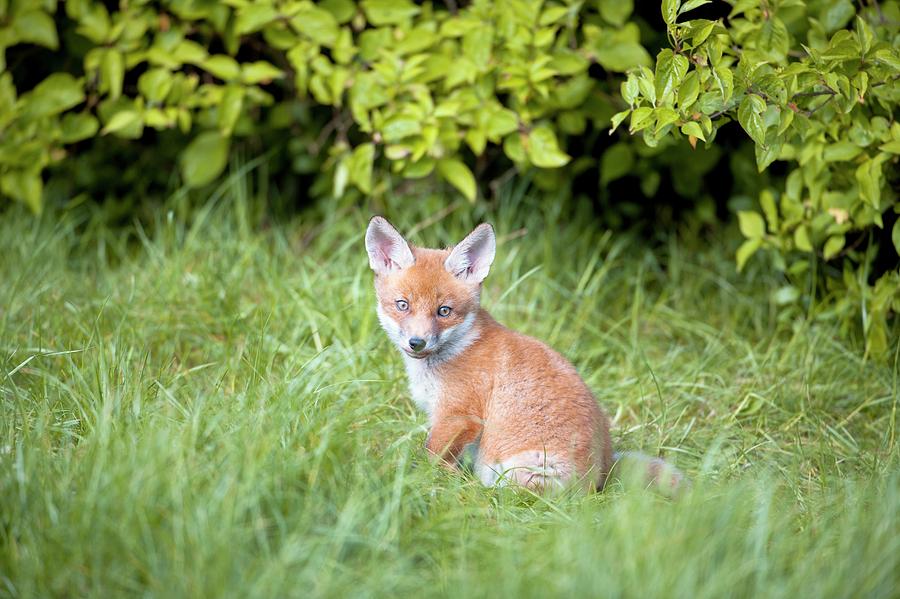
(204, 407)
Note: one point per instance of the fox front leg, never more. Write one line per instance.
(449, 435)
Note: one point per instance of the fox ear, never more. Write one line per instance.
(471, 259)
(388, 251)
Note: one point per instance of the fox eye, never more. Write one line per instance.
(444, 311)
(402, 305)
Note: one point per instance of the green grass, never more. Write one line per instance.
(201, 407)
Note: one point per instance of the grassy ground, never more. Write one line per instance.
(205, 408)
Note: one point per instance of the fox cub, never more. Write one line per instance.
(533, 420)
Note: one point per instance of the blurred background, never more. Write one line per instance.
(781, 111)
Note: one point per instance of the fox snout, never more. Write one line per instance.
(418, 335)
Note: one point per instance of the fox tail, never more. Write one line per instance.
(633, 468)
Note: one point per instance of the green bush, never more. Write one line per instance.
(808, 91)
(355, 96)
(407, 83)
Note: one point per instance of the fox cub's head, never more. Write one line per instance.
(428, 299)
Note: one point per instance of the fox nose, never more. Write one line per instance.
(417, 343)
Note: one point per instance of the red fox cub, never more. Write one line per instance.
(533, 419)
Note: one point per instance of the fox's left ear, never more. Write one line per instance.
(471, 259)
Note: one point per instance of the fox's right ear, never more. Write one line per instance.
(388, 251)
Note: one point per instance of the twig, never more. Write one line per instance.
(886, 81)
(817, 108)
(829, 92)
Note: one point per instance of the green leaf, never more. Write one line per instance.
(341, 176)
(501, 122)
(230, 108)
(78, 126)
(93, 22)
(767, 154)
(36, 27)
(224, 67)
(361, 162)
(616, 12)
(621, 57)
(725, 80)
(513, 148)
(259, 72)
(868, 177)
(158, 118)
(664, 116)
(617, 120)
(477, 44)
(892, 147)
(616, 162)
(621, 50)
(895, 235)
(801, 239)
(767, 201)
(399, 127)
(693, 128)
(553, 14)
(773, 39)
(751, 224)
(26, 186)
(417, 170)
(253, 17)
(691, 5)
(204, 159)
(55, 94)
(747, 249)
(342, 10)
(864, 35)
(670, 71)
(543, 149)
(841, 151)
(630, 89)
(689, 90)
(317, 24)
(701, 29)
(112, 70)
(459, 176)
(155, 84)
(750, 118)
(889, 57)
(388, 12)
(121, 120)
(189, 51)
(836, 14)
(670, 10)
(646, 85)
(787, 117)
(641, 118)
(833, 246)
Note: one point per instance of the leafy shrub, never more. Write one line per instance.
(407, 82)
(355, 95)
(827, 107)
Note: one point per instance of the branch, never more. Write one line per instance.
(817, 108)
(828, 92)
(886, 81)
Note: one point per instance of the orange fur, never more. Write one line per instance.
(534, 419)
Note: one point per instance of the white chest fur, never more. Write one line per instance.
(424, 384)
